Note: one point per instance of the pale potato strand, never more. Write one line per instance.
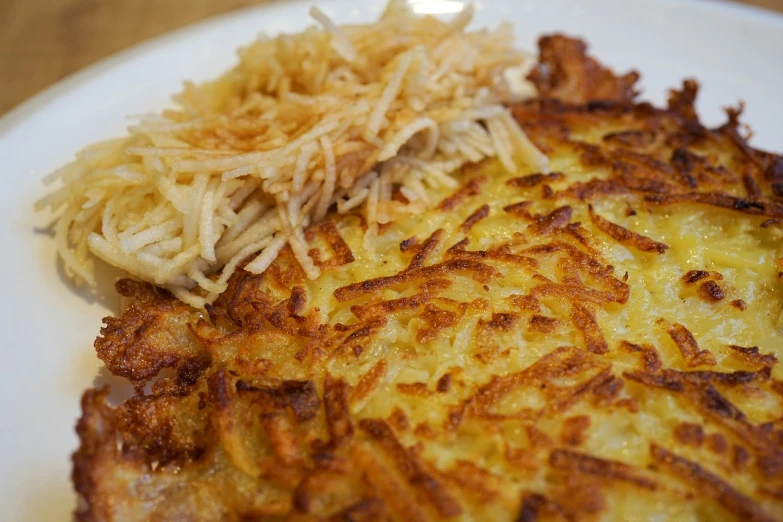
(334, 117)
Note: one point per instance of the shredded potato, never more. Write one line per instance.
(364, 117)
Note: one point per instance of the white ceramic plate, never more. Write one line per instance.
(48, 327)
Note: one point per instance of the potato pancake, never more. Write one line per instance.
(598, 342)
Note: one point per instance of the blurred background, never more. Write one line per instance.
(42, 41)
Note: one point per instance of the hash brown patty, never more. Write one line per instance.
(599, 342)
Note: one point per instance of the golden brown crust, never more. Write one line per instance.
(471, 188)
(342, 254)
(585, 321)
(137, 346)
(477, 215)
(95, 430)
(567, 73)
(688, 348)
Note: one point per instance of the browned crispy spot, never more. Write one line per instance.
(716, 199)
(342, 252)
(471, 188)
(474, 479)
(572, 293)
(414, 388)
(477, 215)
(285, 315)
(685, 163)
(521, 458)
(688, 347)
(578, 232)
(543, 324)
(426, 249)
(398, 420)
(585, 321)
(694, 276)
(526, 302)
(358, 336)
(573, 431)
(531, 180)
(735, 378)
(650, 357)
(435, 319)
(717, 443)
(711, 291)
(689, 434)
(570, 460)
(538, 437)
(567, 73)
(665, 380)
(502, 255)
(435, 284)
(282, 275)
(369, 382)
(444, 383)
(739, 304)
(575, 499)
(626, 237)
(423, 429)
(683, 102)
(519, 208)
(634, 138)
(392, 306)
(532, 505)
(751, 355)
(298, 396)
(740, 458)
(710, 485)
(410, 468)
(548, 223)
(563, 398)
(587, 190)
(576, 264)
(338, 416)
(454, 265)
(500, 321)
(407, 244)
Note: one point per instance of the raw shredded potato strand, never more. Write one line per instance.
(347, 115)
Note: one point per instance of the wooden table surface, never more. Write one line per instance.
(42, 41)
